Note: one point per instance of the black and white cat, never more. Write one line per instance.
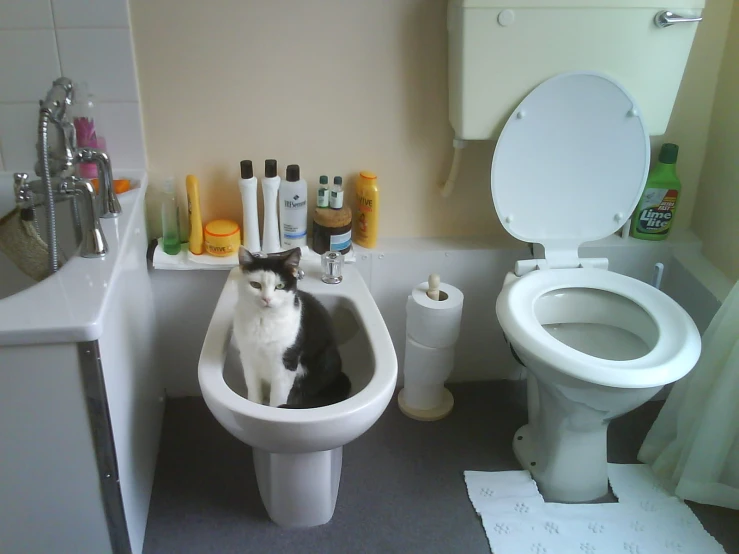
(285, 336)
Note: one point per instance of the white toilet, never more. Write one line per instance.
(297, 453)
(569, 168)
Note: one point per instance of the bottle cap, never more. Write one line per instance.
(367, 175)
(270, 168)
(337, 180)
(323, 180)
(247, 170)
(668, 153)
(293, 173)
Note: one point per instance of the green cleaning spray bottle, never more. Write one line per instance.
(655, 211)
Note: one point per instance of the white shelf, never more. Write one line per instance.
(187, 261)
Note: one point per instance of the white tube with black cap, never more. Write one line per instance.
(250, 225)
(270, 189)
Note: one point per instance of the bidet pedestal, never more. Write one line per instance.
(299, 490)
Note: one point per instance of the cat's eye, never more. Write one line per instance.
(280, 286)
(255, 284)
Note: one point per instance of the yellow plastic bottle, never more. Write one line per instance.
(196, 218)
(368, 199)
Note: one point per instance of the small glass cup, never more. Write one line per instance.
(332, 264)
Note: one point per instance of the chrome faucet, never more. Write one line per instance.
(87, 224)
(111, 206)
(58, 161)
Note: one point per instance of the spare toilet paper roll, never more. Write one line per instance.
(434, 323)
(424, 371)
(426, 366)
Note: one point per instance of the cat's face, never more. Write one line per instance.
(269, 283)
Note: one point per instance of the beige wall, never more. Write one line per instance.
(339, 86)
(716, 216)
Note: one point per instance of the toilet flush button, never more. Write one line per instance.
(506, 18)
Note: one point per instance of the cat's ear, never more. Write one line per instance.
(292, 258)
(245, 257)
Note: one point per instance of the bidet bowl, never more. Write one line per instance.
(298, 452)
(368, 358)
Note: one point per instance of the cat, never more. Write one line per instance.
(285, 336)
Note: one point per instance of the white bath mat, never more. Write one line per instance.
(646, 520)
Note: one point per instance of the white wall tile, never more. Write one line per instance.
(30, 64)
(84, 13)
(18, 123)
(120, 123)
(25, 14)
(101, 57)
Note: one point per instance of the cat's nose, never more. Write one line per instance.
(266, 301)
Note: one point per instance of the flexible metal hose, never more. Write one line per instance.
(43, 132)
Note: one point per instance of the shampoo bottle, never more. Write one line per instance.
(293, 209)
(250, 223)
(196, 219)
(322, 199)
(655, 211)
(368, 197)
(270, 188)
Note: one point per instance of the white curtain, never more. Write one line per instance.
(693, 446)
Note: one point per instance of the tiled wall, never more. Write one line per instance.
(85, 40)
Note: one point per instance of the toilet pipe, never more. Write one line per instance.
(448, 187)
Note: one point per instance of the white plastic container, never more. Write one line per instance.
(250, 225)
(270, 188)
(293, 209)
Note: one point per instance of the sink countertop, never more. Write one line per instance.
(69, 305)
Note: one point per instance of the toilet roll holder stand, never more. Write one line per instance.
(419, 399)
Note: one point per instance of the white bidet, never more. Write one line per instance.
(297, 453)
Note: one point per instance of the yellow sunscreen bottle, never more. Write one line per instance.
(368, 197)
(196, 219)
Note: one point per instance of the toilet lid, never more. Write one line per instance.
(571, 162)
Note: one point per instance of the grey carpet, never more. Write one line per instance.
(402, 489)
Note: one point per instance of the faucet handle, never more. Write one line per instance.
(21, 187)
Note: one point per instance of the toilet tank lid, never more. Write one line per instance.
(674, 5)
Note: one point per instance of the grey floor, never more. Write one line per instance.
(402, 489)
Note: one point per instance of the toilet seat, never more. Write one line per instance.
(570, 164)
(677, 346)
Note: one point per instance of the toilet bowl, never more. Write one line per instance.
(569, 168)
(298, 453)
(597, 344)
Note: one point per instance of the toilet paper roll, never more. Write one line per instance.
(426, 366)
(434, 323)
(424, 371)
